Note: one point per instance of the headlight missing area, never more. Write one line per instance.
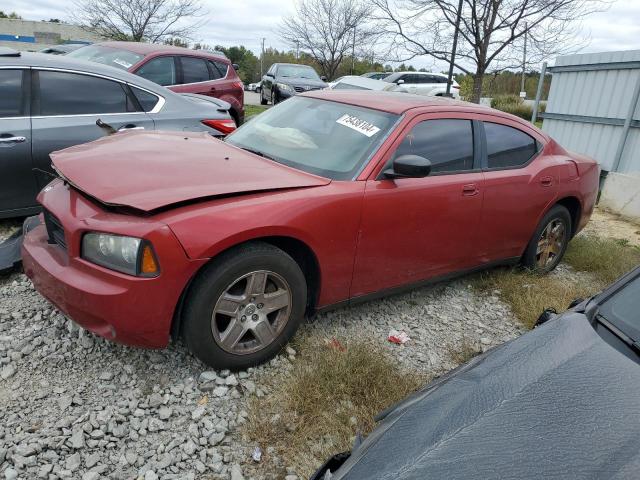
(130, 255)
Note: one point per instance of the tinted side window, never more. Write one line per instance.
(72, 94)
(507, 146)
(447, 144)
(222, 68)
(147, 100)
(194, 70)
(10, 93)
(160, 70)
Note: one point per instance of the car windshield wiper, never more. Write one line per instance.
(631, 343)
(259, 153)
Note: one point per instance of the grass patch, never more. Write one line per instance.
(253, 110)
(528, 293)
(606, 258)
(333, 391)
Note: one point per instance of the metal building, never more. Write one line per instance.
(593, 107)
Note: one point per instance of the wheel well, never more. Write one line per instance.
(575, 209)
(298, 250)
(235, 116)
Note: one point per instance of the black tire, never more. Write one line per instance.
(214, 281)
(274, 96)
(263, 101)
(558, 215)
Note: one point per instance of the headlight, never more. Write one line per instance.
(285, 87)
(130, 255)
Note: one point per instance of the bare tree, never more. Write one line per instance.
(328, 30)
(138, 20)
(492, 32)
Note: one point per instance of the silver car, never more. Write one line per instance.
(50, 102)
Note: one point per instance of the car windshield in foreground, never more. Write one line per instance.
(325, 138)
(621, 309)
(113, 57)
(296, 71)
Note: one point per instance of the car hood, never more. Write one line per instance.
(151, 170)
(302, 82)
(557, 402)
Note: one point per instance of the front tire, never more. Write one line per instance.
(274, 96)
(549, 242)
(263, 101)
(244, 307)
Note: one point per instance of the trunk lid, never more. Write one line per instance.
(152, 170)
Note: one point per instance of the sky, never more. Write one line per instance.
(246, 22)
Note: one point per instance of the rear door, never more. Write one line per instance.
(417, 228)
(17, 183)
(519, 186)
(66, 106)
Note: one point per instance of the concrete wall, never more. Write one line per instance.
(25, 35)
(621, 194)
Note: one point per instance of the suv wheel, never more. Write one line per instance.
(263, 101)
(244, 307)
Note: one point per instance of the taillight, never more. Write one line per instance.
(238, 85)
(224, 126)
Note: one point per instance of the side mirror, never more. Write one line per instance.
(323, 78)
(409, 166)
(400, 82)
(269, 75)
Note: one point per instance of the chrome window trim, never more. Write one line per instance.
(156, 109)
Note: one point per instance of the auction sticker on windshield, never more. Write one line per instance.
(358, 125)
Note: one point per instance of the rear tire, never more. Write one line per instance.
(549, 242)
(244, 307)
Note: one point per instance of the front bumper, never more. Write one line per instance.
(131, 310)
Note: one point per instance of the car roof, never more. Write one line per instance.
(36, 59)
(150, 48)
(394, 102)
(293, 64)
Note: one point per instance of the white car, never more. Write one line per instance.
(353, 82)
(424, 83)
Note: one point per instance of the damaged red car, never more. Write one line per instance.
(328, 198)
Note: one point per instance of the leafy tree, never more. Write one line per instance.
(12, 15)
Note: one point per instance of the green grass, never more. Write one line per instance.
(333, 391)
(528, 293)
(252, 110)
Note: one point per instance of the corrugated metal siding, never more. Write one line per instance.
(602, 93)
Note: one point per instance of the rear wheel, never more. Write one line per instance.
(244, 307)
(549, 242)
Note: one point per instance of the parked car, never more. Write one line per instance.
(376, 75)
(354, 82)
(330, 198)
(284, 80)
(562, 400)
(63, 48)
(252, 87)
(50, 102)
(424, 83)
(182, 70)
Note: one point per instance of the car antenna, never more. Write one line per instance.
(106, 126)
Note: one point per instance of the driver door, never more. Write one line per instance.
(417, 228)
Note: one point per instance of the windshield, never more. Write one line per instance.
(325, 138)
(621, 309)
(297, 71)
(113, 57)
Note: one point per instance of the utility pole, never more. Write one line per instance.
(297, 49)
(453, 51)
(353, 51)
(524, 60)
(262, 59)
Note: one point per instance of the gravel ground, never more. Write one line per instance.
(75, 406)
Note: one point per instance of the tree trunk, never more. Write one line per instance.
(477, 87)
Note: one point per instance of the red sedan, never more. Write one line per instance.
(329, 198)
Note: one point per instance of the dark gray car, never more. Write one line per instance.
(560, 402)
(50, 102)
(284, 80)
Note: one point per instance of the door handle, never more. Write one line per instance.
(546, 181)
(13, 139)
(129, 127)
(470, 189)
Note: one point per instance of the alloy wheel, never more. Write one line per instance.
(251, 312)
(551, 243)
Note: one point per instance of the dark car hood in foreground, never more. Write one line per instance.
(558, 402)
(151, 170)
